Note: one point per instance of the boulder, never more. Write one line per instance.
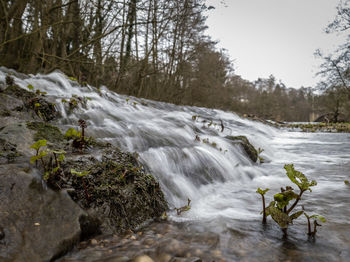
(116, 190)
(247, 147)
(37, 224)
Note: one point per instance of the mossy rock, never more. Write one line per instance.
(116, 190)
(46, 131)
(8, 152)
(246, 145)
(42, 108)
(18, 92)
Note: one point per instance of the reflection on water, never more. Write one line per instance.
(224, 221)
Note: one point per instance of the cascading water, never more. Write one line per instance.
(217, 176)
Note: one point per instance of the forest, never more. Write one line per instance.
(159, 50)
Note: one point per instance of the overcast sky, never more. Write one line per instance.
(276, 37)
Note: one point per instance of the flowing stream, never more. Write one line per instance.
(217, 176)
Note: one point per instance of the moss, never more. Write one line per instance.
(46, 131)
(117, 189)
(247, 146)
(5, 113)
(18, 92)
(8, 152)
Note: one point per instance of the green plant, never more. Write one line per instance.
(72, 134)
(39, 153)
(280, 209)
(261, 159)
(82, 175)
(58, 156)
(346, 182)
(184, 208)
(262, 193)
(316, 224)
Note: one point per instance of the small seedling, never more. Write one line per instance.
(261, 159)
(184, 208)
(39, 153)
(346, 182)
(262, 193)
(82, 174)
(316, 224)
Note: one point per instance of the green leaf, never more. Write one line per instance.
(262, 192)
(61, 158)
(46, 176)
(34, 158)
(72, 133)
(281, 218)
(299, 178)
(283, 198)
(318, 217)
(81, 174)
(30, 87)
(296, 215)
(55, 169)
(347, 182)
(73, 78)
(39, 144)
(37, 105)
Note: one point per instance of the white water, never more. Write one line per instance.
(221, 184)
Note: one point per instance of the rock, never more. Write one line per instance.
(19, 136)
(163, 257)
(116, 259)
(46, 131)
(8, 152)
(45, 110)
(185, 259)
(38, 223)
(246, 146)
(142, 258)
(117, 191)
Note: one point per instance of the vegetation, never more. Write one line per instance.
(155, 49)
(280, 209)
(184, 208)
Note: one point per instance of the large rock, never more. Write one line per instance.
(246, 146)
(36, 223)
(116, 190)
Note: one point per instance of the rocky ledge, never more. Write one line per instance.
(50, 205)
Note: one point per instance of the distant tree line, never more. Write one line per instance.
(154, 49)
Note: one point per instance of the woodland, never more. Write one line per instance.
(159, 50)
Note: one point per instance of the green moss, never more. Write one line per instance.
(247, 146)
(46, 131)
(18, 92)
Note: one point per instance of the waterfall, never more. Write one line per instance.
(217, 175)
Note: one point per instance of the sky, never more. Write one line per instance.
(277, 37)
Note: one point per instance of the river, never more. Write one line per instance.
(224, 222)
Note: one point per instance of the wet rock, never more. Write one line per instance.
(246, 146)
(185, 259)
(18, 135)
(142, 258)
(46, 131)
(116, 190)
(116, 259)
(163, 257)
(8, 152)
(38, 223)
(45, 110)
